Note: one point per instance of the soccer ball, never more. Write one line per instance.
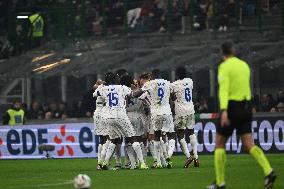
(82, 181)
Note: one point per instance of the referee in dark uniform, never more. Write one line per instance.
(236, 113)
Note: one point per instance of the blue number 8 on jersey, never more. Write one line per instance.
(187, 95)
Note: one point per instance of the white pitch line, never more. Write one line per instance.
(42, 185)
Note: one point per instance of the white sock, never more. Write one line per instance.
(152, 149)
(157, 145)
(130, 153)
(118, 154)
(184, 147)
(164, 148)
(144, 150)
(163, 159)
(172, 146)
(99, 153)
(137, 148)
(109, 153)
(193, 142)
(104, 150)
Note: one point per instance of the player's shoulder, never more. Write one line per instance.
(163, 81)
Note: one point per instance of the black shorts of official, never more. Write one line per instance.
(240, 116)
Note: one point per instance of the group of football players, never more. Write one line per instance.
(148, 114)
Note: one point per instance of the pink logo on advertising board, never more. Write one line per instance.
(59, 140)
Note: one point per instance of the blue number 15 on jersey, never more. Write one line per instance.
(112, 99)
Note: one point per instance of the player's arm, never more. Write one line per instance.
(224, 84)
(140, 91)
(97, 92)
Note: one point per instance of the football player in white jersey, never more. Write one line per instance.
(116, 119)
(99, 128)
(161, 116)
(135, 112)
(184, 114)
(144, 78)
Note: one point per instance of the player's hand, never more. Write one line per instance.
(224, 118)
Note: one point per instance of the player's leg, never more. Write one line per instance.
(171, 147)
(261, 159)
(131, 153)
(192, 138)
(180, 126)
(114, 135)
(168, 127)
(109, 153)
(152, 150)
(127, 162)
(138, 151)
(118, 154)
(144, 147)
(184, 148)
(100, 146)
(157, 146)
(222, 135)
(220, 159)
(129, 132)
(105, 143)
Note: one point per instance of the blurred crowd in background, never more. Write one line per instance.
(81, 18)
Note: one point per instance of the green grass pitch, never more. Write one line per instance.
(242, 173)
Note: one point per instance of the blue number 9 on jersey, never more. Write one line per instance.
(161, 93)
(187, 95)
(112, 99)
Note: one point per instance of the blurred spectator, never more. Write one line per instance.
(267, 103)
(209, 15)
(280, 107)
(116, 14)
(202, 106)
(223, 17)
(200, 15)
(157, 16)
(6, 49)
(15, 115)
(35, 112)
(256, 101)
(53, 111)
(63, 114)
(36, 28)
(45, 108)
(250, 7)
(254, 109)
(280, 97)
(134, 12)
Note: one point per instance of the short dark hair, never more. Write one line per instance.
(181, 72)
(111, 78)
(121, 72)
(156, 73)
(126, 80)
(145, 76)
(227, 48)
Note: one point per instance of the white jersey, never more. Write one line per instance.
(159, 94)
(100, 100)
(115, 99)
(135, 105)
(183, 92)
